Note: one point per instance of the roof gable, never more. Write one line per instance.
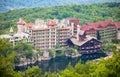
(93, 40)
(81, 42)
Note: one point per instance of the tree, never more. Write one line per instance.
(5, 47)
(48, 74)
(25, 49)
(70, 51)
(16, 58)
(52, 53)
(39, 52)
(109, 67)
(86, 13)
(34, 71)
(108, 47)
(6, 59)
(57, 46)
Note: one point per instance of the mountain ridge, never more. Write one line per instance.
(6, 5)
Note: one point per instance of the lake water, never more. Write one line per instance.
(60, 63)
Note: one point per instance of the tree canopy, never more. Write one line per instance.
(109, 67)
(86, 13)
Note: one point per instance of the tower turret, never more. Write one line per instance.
(11, 32)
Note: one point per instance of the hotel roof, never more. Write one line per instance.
(51, 23)
(117, 24)
(29, 24)
(74, 20)
(96, 25)
(79, 43)
(21, 22)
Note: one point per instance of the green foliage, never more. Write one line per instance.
(25, 49)
(39, 52)
(104, 68)
(6, 59)
(5, 47)
(60, 53)
(57, 46)
(108, 47)
(28, 54)
(16, 58)
(86, 13)
(109, 67)
(76, 47)
(45, 3)
(116, 41)
(47, 74)
(70, 51)
(52, 53)
(7, 65)
(34, 71)
(67, 73)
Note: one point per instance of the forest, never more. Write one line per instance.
(6, 5)
(86, 13)
(109, 67)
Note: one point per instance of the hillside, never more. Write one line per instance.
(86, 13)
(6, 5)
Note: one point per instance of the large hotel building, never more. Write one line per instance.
(46, 35)
(104, 30)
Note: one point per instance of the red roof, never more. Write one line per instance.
(100, 24)
(29, 24)
(91, 32)
(117, 24)
(21, 22)
(51, 23)
(75, 21)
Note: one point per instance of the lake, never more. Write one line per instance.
(60, 63)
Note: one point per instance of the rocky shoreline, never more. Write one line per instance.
(27, 62)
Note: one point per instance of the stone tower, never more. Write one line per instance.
(11, 32)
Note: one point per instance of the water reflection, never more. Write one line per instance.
(60, 63)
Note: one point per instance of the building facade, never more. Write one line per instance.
(73, 22)
(118, 29)
(47, 35)
(105, 29)
(23, 32)
(85, 43)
